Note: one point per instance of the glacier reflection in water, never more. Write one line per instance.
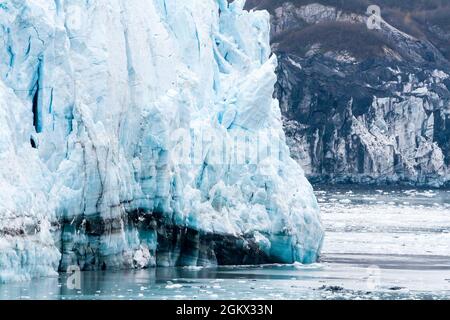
(380, 244)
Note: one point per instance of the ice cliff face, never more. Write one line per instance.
(120, 124)
(361, 105)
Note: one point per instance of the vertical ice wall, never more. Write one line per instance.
(114, 118)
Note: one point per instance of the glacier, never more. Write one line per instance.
(143, 133)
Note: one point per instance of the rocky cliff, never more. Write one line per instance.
(360, 104)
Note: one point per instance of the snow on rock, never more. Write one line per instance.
(361, 112)
(114, 118)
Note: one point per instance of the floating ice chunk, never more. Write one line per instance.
(174, 286)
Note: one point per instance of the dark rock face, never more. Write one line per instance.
(362, 105)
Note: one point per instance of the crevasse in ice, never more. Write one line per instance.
(136, 133)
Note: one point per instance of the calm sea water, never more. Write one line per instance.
(380, 244)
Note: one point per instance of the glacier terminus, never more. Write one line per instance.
(98, 101)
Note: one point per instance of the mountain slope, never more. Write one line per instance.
(362, 105)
